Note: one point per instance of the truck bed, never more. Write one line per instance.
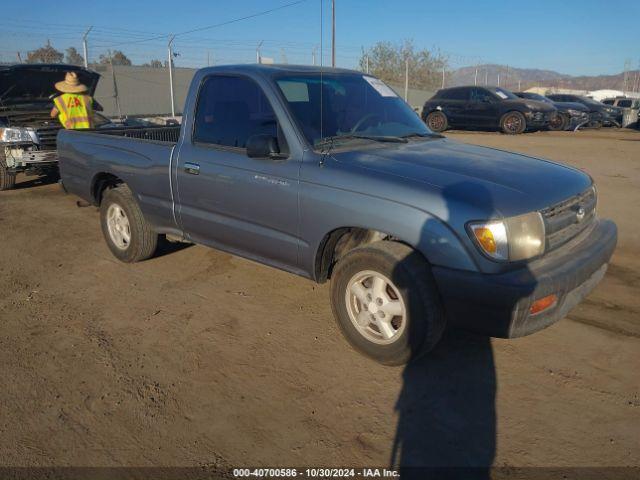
(141, 157)
(167, 134)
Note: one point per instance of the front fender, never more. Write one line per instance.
(324, 209)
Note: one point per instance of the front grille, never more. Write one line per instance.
(47, 137)
(567, 219)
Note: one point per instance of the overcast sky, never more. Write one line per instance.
(578, 37)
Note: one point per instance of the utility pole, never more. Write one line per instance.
(406, 79)
(258, 57)
(84, 47)
(442, 76)
(366, 58)
(627, 67)
(475, 79)
(333, 33)
(170, 55)
(486, 76)
(498, 79)
(519, 84)
(115, 85)
(313, 55)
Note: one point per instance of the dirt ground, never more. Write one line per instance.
(200, 358)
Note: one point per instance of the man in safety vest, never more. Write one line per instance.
(74, 108)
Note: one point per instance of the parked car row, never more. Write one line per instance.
(481, 107)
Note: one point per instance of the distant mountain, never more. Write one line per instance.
(523, 78)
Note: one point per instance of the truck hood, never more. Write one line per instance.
(512, 183)
(35, 83)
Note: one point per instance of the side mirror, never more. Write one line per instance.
(264, 146)
(486, 100)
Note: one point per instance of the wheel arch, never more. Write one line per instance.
(434, 241)
(102, 181)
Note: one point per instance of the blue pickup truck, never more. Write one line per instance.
(328, 174)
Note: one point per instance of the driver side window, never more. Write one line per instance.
(480, 95)
(230, 110)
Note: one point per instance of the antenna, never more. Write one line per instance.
(321, 68)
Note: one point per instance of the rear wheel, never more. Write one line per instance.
(128, 235)
(558, 122)
(386, 303)
(7, 178)
(437, 121)
(513, 123)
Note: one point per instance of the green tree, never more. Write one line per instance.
(73, 57)
(154, 64)
(46, 54)
(117, 58)
(387, 61)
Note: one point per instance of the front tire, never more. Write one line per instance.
(128, 235)
(437, 121)
(7, 178)
(513, 123)
(385, 301)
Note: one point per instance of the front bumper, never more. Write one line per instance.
(538, 119)
(577, 121)
(498, 305)
(19, 157)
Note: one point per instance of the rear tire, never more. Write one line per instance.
(513, 123)
(128, 235)
(558, 123)
(400, 316)
(7, 178)
(437, 121)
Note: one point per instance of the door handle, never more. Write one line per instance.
(192, 168)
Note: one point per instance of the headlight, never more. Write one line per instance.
(515, 238)
(575, 113)
(14, 135)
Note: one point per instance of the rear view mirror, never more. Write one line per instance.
(264, 146)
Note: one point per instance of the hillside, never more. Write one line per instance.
(511, 77)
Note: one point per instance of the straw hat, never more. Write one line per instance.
(71, 84)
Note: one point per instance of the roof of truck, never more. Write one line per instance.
(281, 68)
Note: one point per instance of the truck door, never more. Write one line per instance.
(225, 199)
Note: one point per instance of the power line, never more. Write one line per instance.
(208, 27)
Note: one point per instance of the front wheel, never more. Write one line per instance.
(386, 303)
(128, 235)
(513, 123)
(558, 122)
(437, 121)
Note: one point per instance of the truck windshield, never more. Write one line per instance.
(354, 108)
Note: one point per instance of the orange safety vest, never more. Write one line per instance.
(75, 111)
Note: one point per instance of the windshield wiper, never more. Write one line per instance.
(423, 135)
(375, 138)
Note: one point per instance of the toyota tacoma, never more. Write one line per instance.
(329, 174)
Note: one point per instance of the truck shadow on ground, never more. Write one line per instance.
(446, 407)
(24, 182)
(166, 247)
(446, 411)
